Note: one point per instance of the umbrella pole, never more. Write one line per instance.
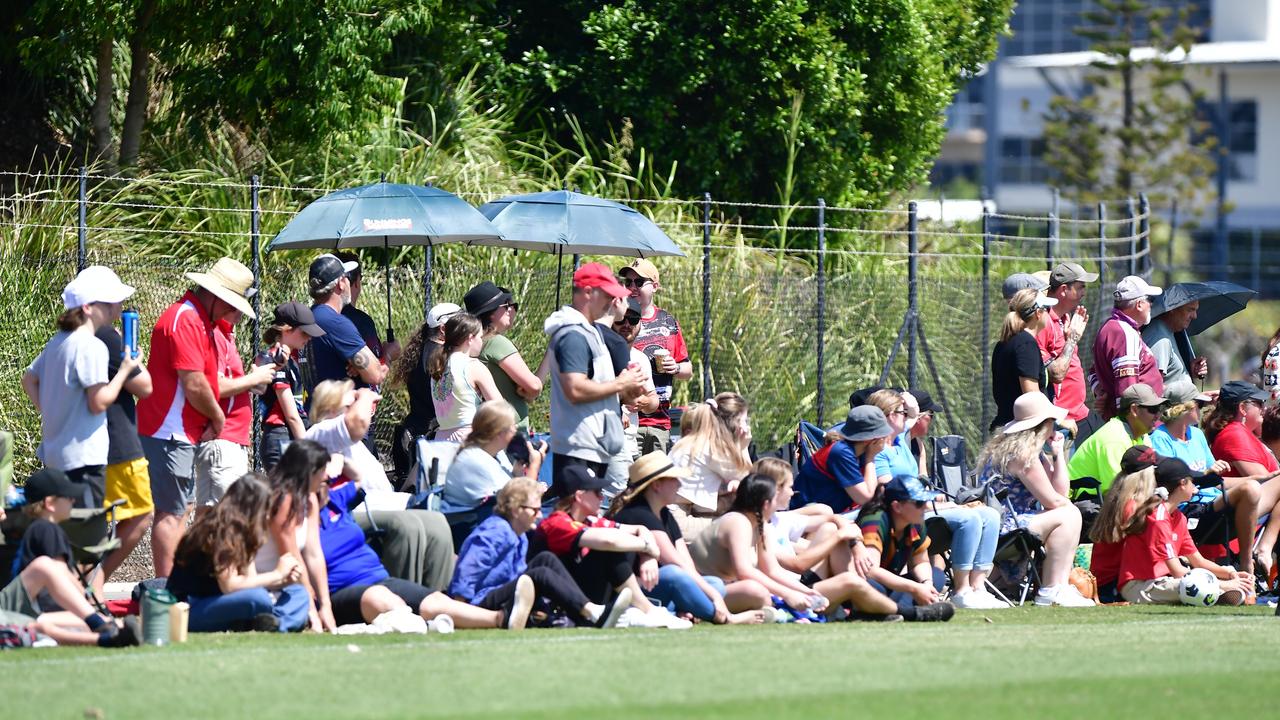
(386, 248)
(559, 273)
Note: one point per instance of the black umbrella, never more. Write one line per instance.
(1218, 300)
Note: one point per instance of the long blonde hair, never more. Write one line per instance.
(710, 428)
(1017, 319)
(326, 399)
(1003, 450)
(1135, 487)
(491, 419)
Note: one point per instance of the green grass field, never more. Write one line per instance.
(1026, 662)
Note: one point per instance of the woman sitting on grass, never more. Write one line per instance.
(600, 554)
(1156, 538)
(893, 529)
(491, 562)
(736, 549)
(213, 568)
(1027, 455)
(293, 525)
(360, 588)
(653, 486)
(1135, 483)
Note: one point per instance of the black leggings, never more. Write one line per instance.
(550, 580)
(600, 572)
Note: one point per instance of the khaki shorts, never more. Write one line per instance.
(1161, 591)
(218, 463)
(690, 525)
(14, 598)
(130, 481)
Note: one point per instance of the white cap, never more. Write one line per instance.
(1134, 287)
(1045, 301)
(441, 313)
(96, 283)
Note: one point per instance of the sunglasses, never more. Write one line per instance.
(898, 412)
(628, 319)
(635, 282)
(512, 305)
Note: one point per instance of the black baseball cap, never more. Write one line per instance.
(859, 397)
(295, 314)
(1171, 470)
(326, 269)
(47, 482)
(1237, 391)
(925, 401)
(580, 477)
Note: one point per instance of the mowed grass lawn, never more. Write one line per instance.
(1024, 663)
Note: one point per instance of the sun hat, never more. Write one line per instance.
(651, 467)
(96, 283)
(865, 422)
(595, 275)
(440, 314)
(295, 314)
(1031, 409)
(1134, 287)
(485, 297)
(229, 281)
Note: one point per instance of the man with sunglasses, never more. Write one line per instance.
(663, 344)
(1099, 456)
(1120, 357)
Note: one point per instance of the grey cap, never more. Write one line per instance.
(1140, 394)
(1069, 272)
(865, 422)
(1021, 281)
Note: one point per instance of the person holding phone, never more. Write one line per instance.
(283, 406)
(478, 471)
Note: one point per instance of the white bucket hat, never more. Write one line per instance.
(96, 283)
(1031, 409)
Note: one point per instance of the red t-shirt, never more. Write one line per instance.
(181, 340)
(1105, 564)
(239, 408)
(1235, 442)
(1069, 393)
(561, 532)
(1165, 538)
(660, 330)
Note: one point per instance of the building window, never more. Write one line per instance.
(1022, 161)
(1242, 118)
(1048, 26)
(968, 111)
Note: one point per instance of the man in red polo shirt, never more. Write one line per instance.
(1059, 338)
(183, 408)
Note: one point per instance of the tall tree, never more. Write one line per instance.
(1134, 124)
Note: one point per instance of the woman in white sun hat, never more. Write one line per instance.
(69, 385)
(1027, 457)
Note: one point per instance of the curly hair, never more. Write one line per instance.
(410, 356)
(231, 533)
(1003, 450)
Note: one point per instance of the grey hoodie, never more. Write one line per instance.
(593, 430)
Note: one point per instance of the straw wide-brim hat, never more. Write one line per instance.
(230, 282)
(653, 466)
(1031, 409)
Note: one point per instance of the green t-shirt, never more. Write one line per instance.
(495, 350)
(1099, 456)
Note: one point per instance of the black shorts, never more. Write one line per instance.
(809, 578)
(94, 478)
(346, 602)
(1207, 525)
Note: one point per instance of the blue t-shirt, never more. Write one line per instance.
(1194, 451)
(825, 476)
(349, 560)
(896, 459)
(331, 352)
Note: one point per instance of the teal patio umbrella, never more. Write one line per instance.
(385, 215)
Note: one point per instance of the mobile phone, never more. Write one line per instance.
(518, 449)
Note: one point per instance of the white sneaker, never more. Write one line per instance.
(670, 621)
(992, 602)
(1062, 596)
(635, 617)
(968, 600)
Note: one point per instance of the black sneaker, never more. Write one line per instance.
(265, 622)
(128, 634)
(872, 617)
(935, 612)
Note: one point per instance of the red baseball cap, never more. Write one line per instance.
(595, 275)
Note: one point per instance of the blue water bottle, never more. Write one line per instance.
(129, 319)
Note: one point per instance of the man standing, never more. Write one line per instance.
(1059, 340)
(660, 340)
(386, 352)
(1161, 336)
(1120, 357)
(183, 409)
(586, 424)
(1099, 456)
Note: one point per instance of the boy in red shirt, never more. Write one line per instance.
(1156, 540)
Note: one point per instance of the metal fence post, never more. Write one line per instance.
(913, 291)
(986, 318)
(706, 295)
(1051, 246)
(255, 249)
(82, 248)
(1102, 260)
(1144, 233)
(1133, 236)
(822, 308)
(1173, 235)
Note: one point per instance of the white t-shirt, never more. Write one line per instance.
(632, 430)
(473, 476)
(378, 492)
(70, 435)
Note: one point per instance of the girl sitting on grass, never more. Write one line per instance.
(893, 529)
(1135, 483)
(213, 568)
(735, 549)
(1156, 538)
(492, 562)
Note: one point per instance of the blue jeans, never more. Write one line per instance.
(677, 589)
(219, 613)
(974, 532)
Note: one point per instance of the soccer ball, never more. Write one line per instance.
(1199, 588)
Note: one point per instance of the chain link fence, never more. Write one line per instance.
(842, 291)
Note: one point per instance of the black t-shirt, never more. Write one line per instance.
(122, 423)
(638, 512)
(366, 327)
(289, 375)
(1018, 357)
(422, 410)
(44, 538)
(193, 575)
(619, 350)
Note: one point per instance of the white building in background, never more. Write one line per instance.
(995, 139)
